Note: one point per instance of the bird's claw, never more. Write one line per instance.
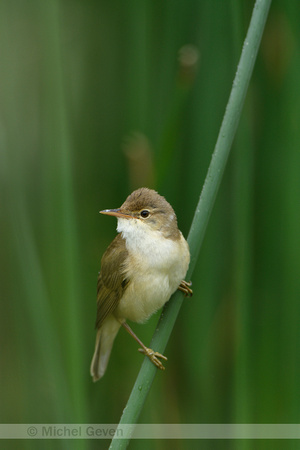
(185, 288)
(153, 356)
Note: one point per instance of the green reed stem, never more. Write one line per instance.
(202, 213)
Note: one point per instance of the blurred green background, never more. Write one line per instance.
(98, 98)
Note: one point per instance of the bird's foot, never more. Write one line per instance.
(185, 288)
(153, 356)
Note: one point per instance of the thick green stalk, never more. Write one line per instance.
(203, 210)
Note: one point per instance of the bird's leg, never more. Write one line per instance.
(152, 355)
(185, 288)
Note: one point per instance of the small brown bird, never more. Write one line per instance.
(140, 270)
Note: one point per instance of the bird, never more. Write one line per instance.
(142, 267)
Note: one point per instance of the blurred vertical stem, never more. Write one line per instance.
(188, 60)
(242, 193)
(203, 210)
(60, 204)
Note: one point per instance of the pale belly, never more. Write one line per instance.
(145, 296)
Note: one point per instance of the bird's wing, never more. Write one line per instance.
(111, 280)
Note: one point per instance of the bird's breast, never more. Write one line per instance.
(155, 267)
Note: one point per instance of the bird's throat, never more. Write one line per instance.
(149, 246)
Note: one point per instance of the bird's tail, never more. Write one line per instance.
(104, 342)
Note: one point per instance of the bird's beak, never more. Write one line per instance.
(116, 213)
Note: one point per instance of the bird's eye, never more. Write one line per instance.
(145, 213)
